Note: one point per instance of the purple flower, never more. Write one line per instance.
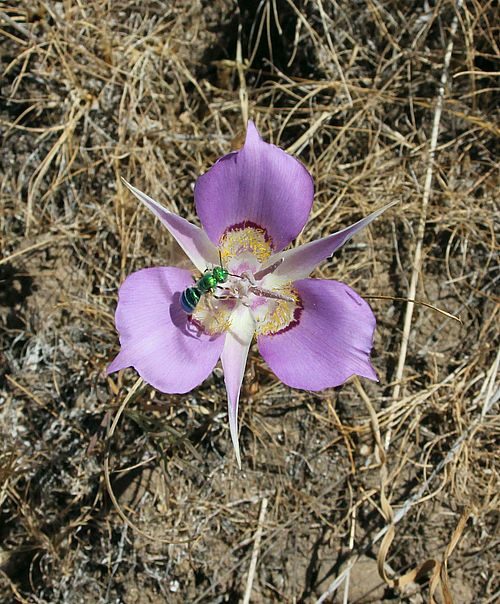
(313, 333)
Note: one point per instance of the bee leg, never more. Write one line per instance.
(249, 277)
(224, 297)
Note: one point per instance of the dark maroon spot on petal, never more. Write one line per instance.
(297, 313)
(252, 225)
(197, 329)
(195, 323)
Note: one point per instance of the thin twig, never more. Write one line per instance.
(255, 551)
(352, 534)
(420, 302)
(296, 147)
(241, 75)
(417, 259)
(16, 25)
(29, 248)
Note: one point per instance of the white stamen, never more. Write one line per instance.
(266, 271)
(248, 275)
(266, 293)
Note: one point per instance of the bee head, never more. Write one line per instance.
(220, 274)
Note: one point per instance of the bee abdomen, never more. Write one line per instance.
(189, 299)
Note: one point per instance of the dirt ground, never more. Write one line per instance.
(368, 493)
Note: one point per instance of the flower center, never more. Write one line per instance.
(244, 248)
(274, 311)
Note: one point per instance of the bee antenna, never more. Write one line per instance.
(222, 266)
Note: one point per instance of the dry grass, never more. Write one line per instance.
(404, 471)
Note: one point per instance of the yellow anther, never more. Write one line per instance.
(213, 315)
(246, 240)
(281, 313)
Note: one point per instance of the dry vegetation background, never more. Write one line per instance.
(152, 508)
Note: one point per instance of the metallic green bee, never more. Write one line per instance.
(207, 284)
